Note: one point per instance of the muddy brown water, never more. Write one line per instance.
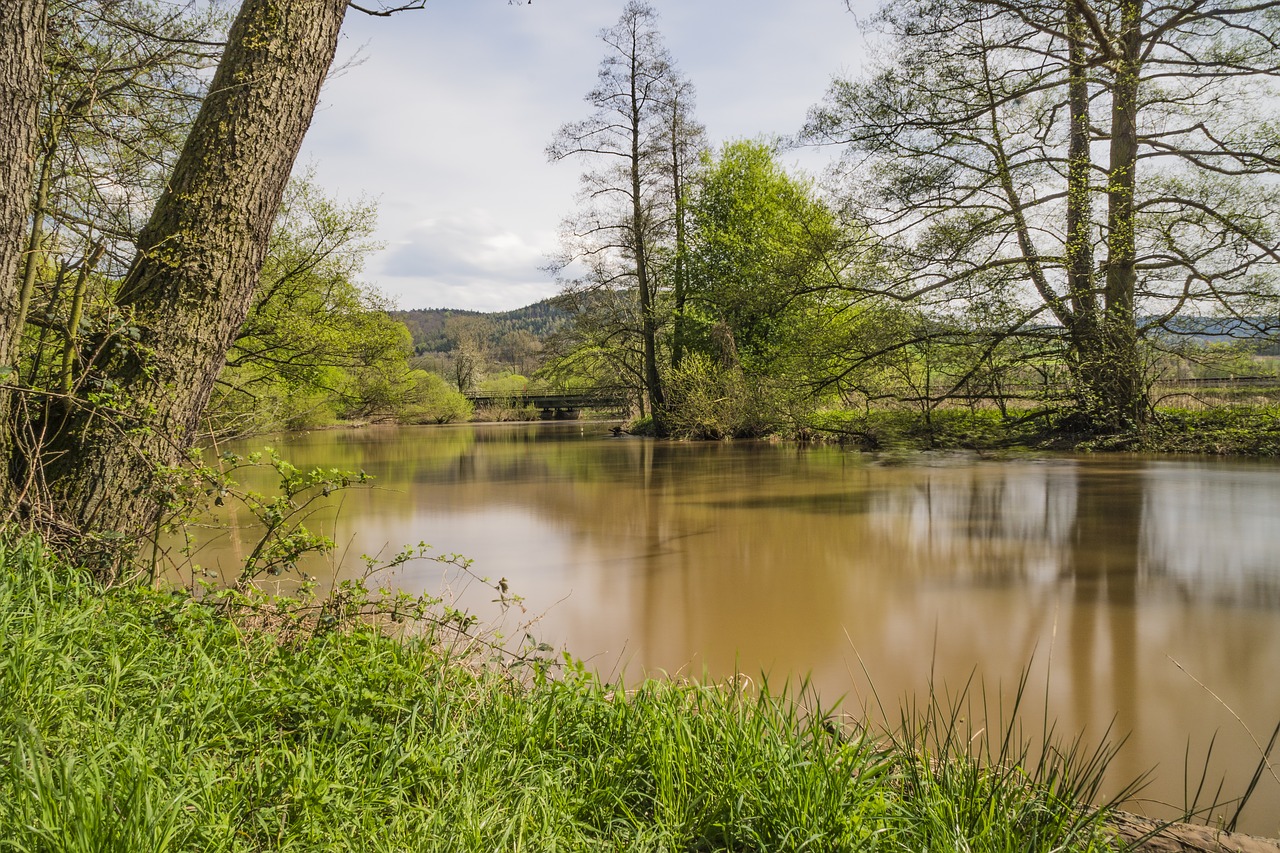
(1142, 593)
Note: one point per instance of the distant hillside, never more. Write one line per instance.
(433, 329)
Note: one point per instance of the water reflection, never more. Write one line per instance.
(718, 557)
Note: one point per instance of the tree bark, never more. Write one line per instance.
(22, 39)
(679, 142)
(195, 273)
(1079, 242)
(678, 266)
(640, 250)
(1119, 389)
(1086, 351)
(35, 241)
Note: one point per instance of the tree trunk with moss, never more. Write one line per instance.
(1120, 396)
(22, 37)
(195, 274)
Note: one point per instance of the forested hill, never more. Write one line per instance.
(432, 328)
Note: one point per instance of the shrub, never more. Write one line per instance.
(432, 400)
(706, 401)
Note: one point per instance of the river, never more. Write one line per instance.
(1142, 594)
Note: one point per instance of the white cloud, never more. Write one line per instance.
(469, 260)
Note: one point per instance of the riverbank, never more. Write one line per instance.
(1227, 430)
(1219, 431)
(138, 719)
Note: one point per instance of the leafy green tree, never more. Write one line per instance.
(762, 249)
(193, 278)
(766, 303)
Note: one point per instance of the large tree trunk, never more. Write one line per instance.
(1084, 340)
(1119, 392)
(196, 271)
(22, 35)
(22, 38)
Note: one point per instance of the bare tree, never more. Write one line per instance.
(469, 335)
(637, 141)
(1100, 166)
(686, 140)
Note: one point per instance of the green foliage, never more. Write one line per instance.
(123, 81)
(137, 719)
(706, 401)
(1252, 430)
(278, 516)
(594, 349)
(947, 428)
(642, 426)
(510, 407)
(1222, 430)
(504, 383)
(975, 148)
(1219, 360)
(316, 344)
(759, 250)
(432, 400)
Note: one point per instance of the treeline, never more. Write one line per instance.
(435, 330)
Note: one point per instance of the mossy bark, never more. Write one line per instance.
(195, 273)
(1118, 378)
(1104, 354)
(640, 253)
(22, 39)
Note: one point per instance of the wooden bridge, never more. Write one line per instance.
(555, 405)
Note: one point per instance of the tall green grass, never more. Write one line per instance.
(137, 720)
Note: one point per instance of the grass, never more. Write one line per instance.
(1246, 430)
(143, 720)
(1227, 430)
(950, 428)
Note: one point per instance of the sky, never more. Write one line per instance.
(442, 116)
